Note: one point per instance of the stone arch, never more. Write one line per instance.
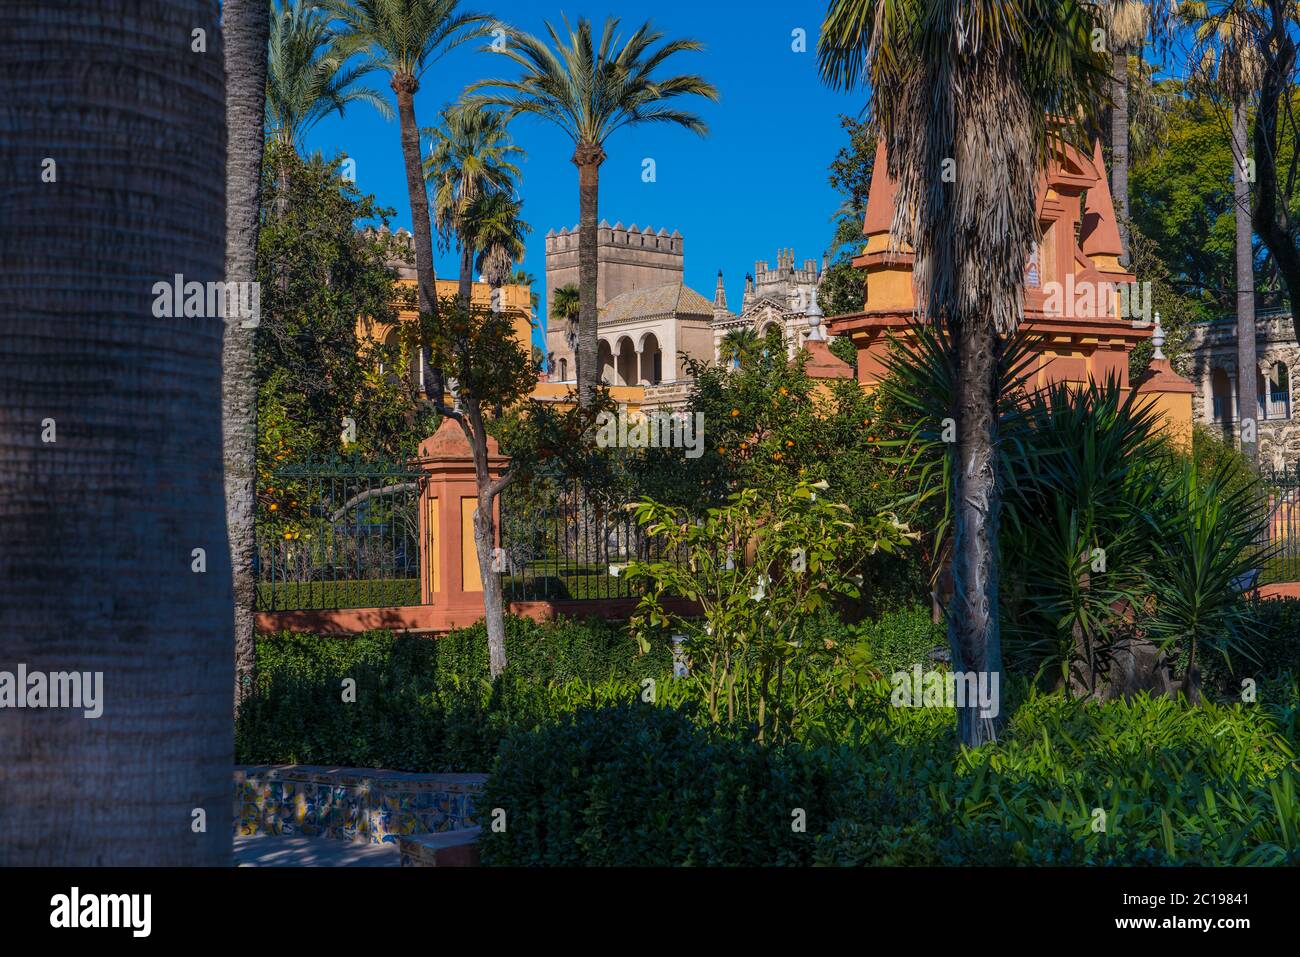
(652, 361)
(625, 361)
(605, 362)
(1223, 396)
(1275, 388)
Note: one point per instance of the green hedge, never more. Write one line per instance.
(359, 593)
(426, 704)
(637, 785)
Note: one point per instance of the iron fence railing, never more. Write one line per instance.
(1281, 538)
(562, 541)
(338, 533)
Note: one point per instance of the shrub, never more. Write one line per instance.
(638, 785)
(427, 704)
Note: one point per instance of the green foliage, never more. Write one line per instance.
(1182, 201)
(428, 704)
(1105, 530)
(758, 567)
(637, 785)
(318, 275)
(843, 288)
(1206, 534)
(1075, 545)
(1276, 624)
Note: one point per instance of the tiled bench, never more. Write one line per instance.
(352, 804)
(448, 849)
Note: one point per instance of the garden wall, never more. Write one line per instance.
(368, 805)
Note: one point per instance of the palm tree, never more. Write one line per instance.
(975, 82)
(245, 24)
(110, 442)
(1127, 24)
(589, 91)
(404, 38)
(566, 306)
(1227, 64)
(470, 156)
(306, 78)
(739, 345)
(497, 235)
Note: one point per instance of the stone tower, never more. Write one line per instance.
(628, 259)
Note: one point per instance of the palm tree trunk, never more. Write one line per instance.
(587, 157)
(973, 618)
(466, 287)
(245, 24)
(1247, 382)
(110, 438)
(421, 229)
(1119, 154)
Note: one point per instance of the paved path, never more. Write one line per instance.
(261, 850)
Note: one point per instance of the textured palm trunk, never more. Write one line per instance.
(973, 617)
(465, 288)
(422, 231)
(245, 24)
(110, 434)
(587, 158)
(1119, 153)
(1247, 382)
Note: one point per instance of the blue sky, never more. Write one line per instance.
(756, 183)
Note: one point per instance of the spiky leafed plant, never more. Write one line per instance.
(590, 90)
(306, 75)
(566, 306)
(1075, 548)
(404, 38)
(1208, 530)
(470, 157)
(1227, 65)
(968, 87)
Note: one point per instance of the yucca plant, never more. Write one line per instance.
(1075, 548)
(1207, 536)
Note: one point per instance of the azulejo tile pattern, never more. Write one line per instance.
(370, 805)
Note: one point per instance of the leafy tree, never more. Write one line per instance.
(318, 275)
(1183, 204)
(843, 287)
(1228, 63)
(494, 372)
(589, 90)
(760, 566)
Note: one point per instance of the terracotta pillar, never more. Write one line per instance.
(449, 574)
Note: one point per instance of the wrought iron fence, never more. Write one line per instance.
(338, 533)
(1282, 535)
(563, 541)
